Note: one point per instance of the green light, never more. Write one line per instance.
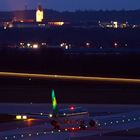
(54, 102)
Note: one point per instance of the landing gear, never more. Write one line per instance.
(92, 123)
(82, 125)
(55, 124)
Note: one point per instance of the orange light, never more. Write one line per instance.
(59, 23)
(30, 122)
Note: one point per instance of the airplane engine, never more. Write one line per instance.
(82, 125)
(92, 123)
(55, 124)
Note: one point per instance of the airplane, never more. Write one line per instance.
(71, 116)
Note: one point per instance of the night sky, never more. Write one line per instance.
(70, 5)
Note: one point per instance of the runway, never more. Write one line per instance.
(109, 118)
(69, 77)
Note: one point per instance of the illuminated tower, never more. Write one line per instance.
(39, 14)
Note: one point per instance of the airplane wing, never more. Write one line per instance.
(61, 113)
(56, 113)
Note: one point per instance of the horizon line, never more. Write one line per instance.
(76, 10)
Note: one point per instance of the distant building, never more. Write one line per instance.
(39, 14)
(113, 24)
(30, 23)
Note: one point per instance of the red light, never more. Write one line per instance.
(72, 108)
(72, 129)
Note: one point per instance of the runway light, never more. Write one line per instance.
(37, 134)
(66, 47)
(30, 135)
(6, 138)
(14, 137)
(73, 128)
(50, 115)
(99, 124)
(28, 44)
(134, 119)
(115, 44)
(44, 44)
(45, 132)
(87, 44)
(66, 129)
(30, 79)
(22, 136)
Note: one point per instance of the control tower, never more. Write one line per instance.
(39, 14)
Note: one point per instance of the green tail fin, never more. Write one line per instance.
(54, 103)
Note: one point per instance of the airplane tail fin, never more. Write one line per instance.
(54, 103)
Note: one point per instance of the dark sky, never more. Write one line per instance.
(70, 4)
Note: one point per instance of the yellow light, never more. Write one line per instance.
(57, 23)
(18, 117)
(39, 15)
(60, 23)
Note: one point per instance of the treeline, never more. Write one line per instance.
(132, 16)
